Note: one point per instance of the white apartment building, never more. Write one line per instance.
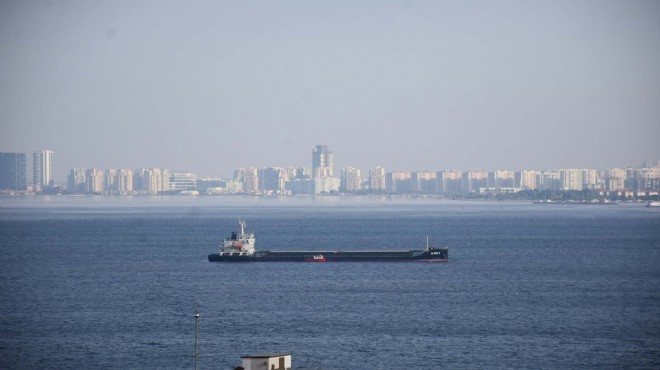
(351, 181)
(578, 179)
(95, 181)
(249, 179)
(615, 178)
(155, 180)
(42, 168)
(377, 179)
(525, 179)
(124, 181)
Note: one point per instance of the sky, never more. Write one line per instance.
(211, 86)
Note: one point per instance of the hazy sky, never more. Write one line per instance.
(210, 86)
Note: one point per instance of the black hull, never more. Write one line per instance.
(431, 255)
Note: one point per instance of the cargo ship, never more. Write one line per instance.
(240, 247)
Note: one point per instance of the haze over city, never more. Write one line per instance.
(209, 87)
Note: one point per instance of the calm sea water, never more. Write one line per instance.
(114, 283)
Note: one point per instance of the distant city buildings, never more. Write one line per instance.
(218, 186)
(13, 172)
(121, 181)
(620, 183)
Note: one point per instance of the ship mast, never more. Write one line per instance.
(427, 244)
(242, 223)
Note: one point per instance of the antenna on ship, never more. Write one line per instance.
(196, 355)
(243, 224)
(427, 244)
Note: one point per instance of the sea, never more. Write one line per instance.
(114, 283)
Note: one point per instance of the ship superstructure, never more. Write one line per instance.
(238, 244)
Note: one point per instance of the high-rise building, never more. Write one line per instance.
(322, 162)
(323, 171)
(124, 181)
(351, 181)
(110, 181)
(423, 182)
(377, 179)
(525, 179)
(501, 179)
(95, 180)
(474, 180)
(397, 182)
(591, 180)
(249, 179)
(77, 180)
(647, 178)
(548, 180)
(42, 168)
(615, 179)
(272, 179)
(12, 171)
(154, 180)
(449, 182)
(571, 179)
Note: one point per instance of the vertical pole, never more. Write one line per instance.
(196, 338)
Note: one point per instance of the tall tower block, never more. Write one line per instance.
(322, 162)
(42, 167)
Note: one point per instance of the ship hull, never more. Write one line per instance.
(431, 255)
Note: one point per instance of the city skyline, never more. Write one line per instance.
(209, 87)
(321, 179)
(40, 167)
(616, 182)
